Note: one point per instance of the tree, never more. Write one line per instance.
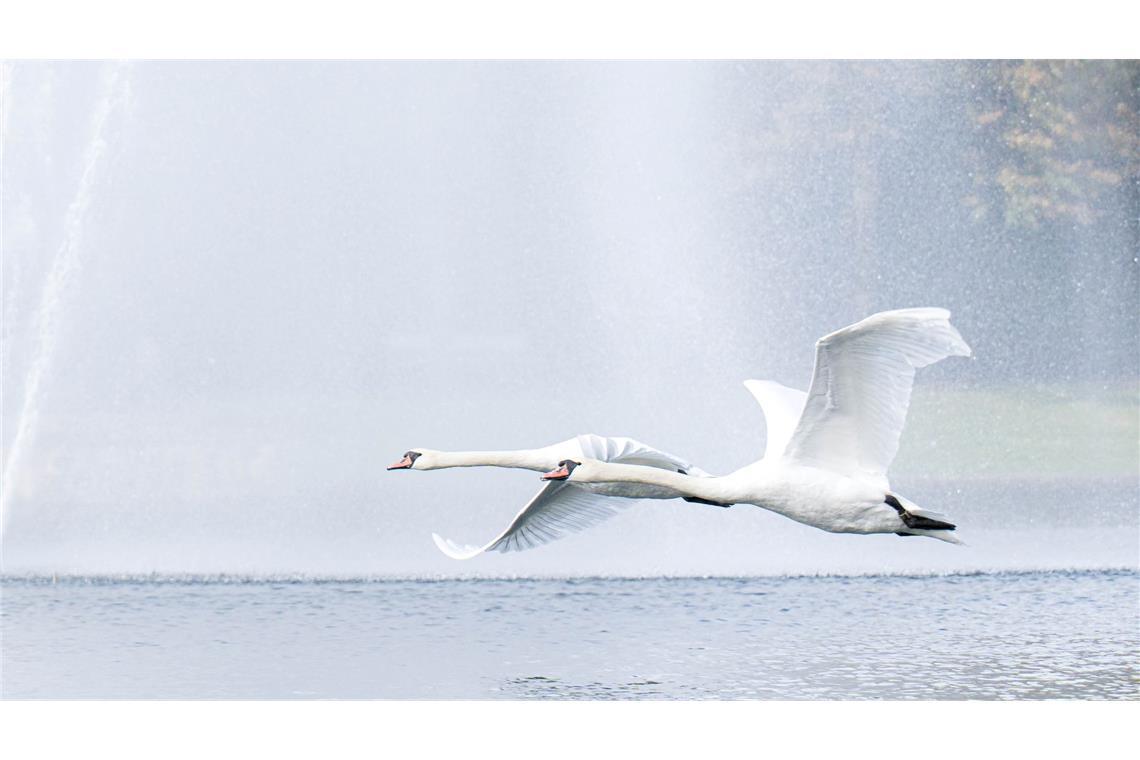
(1057, 141)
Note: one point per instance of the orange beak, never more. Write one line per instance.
(403, 464)
(561, 473)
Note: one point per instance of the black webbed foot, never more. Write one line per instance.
(698, 500)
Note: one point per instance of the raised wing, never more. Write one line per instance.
(860, 390)
(782, 409)
(561, 508)
(628, 451)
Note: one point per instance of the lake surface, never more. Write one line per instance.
(1016, 635)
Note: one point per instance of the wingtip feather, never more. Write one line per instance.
(455, 550)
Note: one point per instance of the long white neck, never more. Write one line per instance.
(526, 459)
(720, 490)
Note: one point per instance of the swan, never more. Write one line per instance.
(558, 508)
(828, 470)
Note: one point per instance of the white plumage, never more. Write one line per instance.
(860, 389)
(555, 511)
(782, 407)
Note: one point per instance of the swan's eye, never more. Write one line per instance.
(412, 455)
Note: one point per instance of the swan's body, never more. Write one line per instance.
(558, 508)
(829, 469)
(809, 495)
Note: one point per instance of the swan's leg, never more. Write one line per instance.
(916, 521)
(698, 500)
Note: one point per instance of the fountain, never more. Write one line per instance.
(60, 278)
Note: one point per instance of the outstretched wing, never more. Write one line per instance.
(861, 387)
(557, 510)
(561, 508)
(783, 407)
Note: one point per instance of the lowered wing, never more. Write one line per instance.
(557, 510)
(562, 508)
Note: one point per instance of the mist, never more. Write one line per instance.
(234, 292)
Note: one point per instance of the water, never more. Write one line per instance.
(1028, 635)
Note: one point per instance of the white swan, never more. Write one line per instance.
(829, 469)
(558, 508)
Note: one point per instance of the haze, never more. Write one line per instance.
(234, 292)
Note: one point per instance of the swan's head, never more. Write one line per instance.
(413, 459)
(563, 471)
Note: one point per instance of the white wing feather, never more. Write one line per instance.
(628, 451)
(861, 386)
(561, 508)
(555, 511)
(782, 407)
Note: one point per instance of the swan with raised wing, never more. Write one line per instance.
(828, 469)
